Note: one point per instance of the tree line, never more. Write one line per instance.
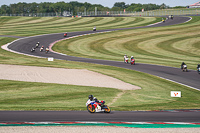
(74, 6)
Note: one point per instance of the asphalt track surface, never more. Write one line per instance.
(119, 116)
(190, 78)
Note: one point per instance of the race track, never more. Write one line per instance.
(128, 116)
(190, 79)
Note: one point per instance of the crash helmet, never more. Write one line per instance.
(95, 99)
(131, 56)
(38, 42)
(90, 97)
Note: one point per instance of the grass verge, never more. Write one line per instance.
(169, 46)
(154, 95)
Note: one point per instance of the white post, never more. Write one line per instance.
(95, 11)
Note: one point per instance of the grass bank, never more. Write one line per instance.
(154, 95)
(169, 45)
(29, 26)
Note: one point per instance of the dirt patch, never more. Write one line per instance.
(81, 77)
(117, 97)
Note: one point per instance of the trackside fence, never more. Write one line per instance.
(154, 13)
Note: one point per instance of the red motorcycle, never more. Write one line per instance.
(97, 106)
(132, 61)
(125, 59)
(65, 35)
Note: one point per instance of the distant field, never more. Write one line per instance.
(28, 26)
(147, 45)
(167, 46)
(167, 12)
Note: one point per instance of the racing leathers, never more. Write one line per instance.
(198, 66)
(95, 102)
(125, 58)
(182, 65)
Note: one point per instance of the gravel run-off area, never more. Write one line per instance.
(81, 77)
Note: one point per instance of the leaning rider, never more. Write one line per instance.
(132, 57)
(91, 98)
(198, 66)
(37, 44)
(125, 56)
(182, 65)
(47, 49)
(98, 101)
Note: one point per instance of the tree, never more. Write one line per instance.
(163, 6)
(5, 9)
(121, 5)
(58, 7)
(48, 7)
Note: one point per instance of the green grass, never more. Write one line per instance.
(39, 96)
(167, 46)
(155, 92)
(167, 12)
(29, 26)
(154, 95)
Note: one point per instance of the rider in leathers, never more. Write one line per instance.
(94, 100)
(125, 56)
(99, 102)
(90, 100)
(198, 66)
(182, 65)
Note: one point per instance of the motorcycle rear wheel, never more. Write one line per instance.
(107, 109)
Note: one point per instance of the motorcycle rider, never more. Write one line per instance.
(198, 70)
(33, 49)
(125, 56)
(41, 49)
(98, 101)
(94, 105)
(94, 100)
(132, 57)
(91, 98)
(37, 44)
(198, 66)
(94, 29)
(47, 49)
(182, 65)
(172, 16)
(65, 34)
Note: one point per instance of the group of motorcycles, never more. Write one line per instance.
(184, 67)
(41, 48)
(170, 17)
(132, 60)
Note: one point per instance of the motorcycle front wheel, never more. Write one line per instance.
(91, 108)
